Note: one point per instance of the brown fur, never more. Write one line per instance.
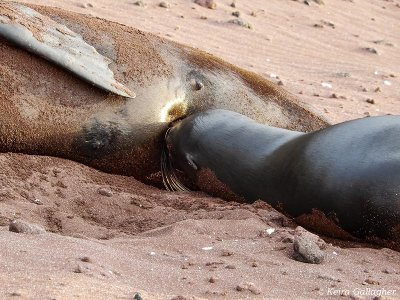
(46, 110)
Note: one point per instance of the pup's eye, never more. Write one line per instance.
(191, 162)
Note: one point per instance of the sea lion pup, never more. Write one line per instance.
(349, 171)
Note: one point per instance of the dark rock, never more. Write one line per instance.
(236, 14)
(164, 4)
(370, 101)
(137, 296)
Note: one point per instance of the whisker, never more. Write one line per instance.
(170, 180)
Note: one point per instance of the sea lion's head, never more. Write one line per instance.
(183, 149)
(198, 142)
(194, 154)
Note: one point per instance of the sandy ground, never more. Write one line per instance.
(109, 237)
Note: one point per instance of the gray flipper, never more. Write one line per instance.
(42, 36)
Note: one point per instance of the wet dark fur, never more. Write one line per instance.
(349, 171)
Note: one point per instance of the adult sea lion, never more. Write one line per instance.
(47, 111)
(349, 171)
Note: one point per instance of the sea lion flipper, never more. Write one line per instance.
(42, 36)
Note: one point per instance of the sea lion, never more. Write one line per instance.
(349, 171)
(47, 111)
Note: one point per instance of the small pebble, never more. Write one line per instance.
(179, 298)
(308, 2)
(386, 82)
(227, 253)
(140, 3)
(326, 85)
(380, 42)
(328, 277)
(86, 259)
(211, 4)
(164, 4)
(37, 201)
(105, 192)
(330, 24)
(236, 14)
(307, 250)
(343, 74)
(248, 286)
(230, 267)
(371, 281)
(270, 231)
(86, 5)
(137, 296)
(371, 50)
(241, 23)
(20, 226)
(370, 101)
(78, 269)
